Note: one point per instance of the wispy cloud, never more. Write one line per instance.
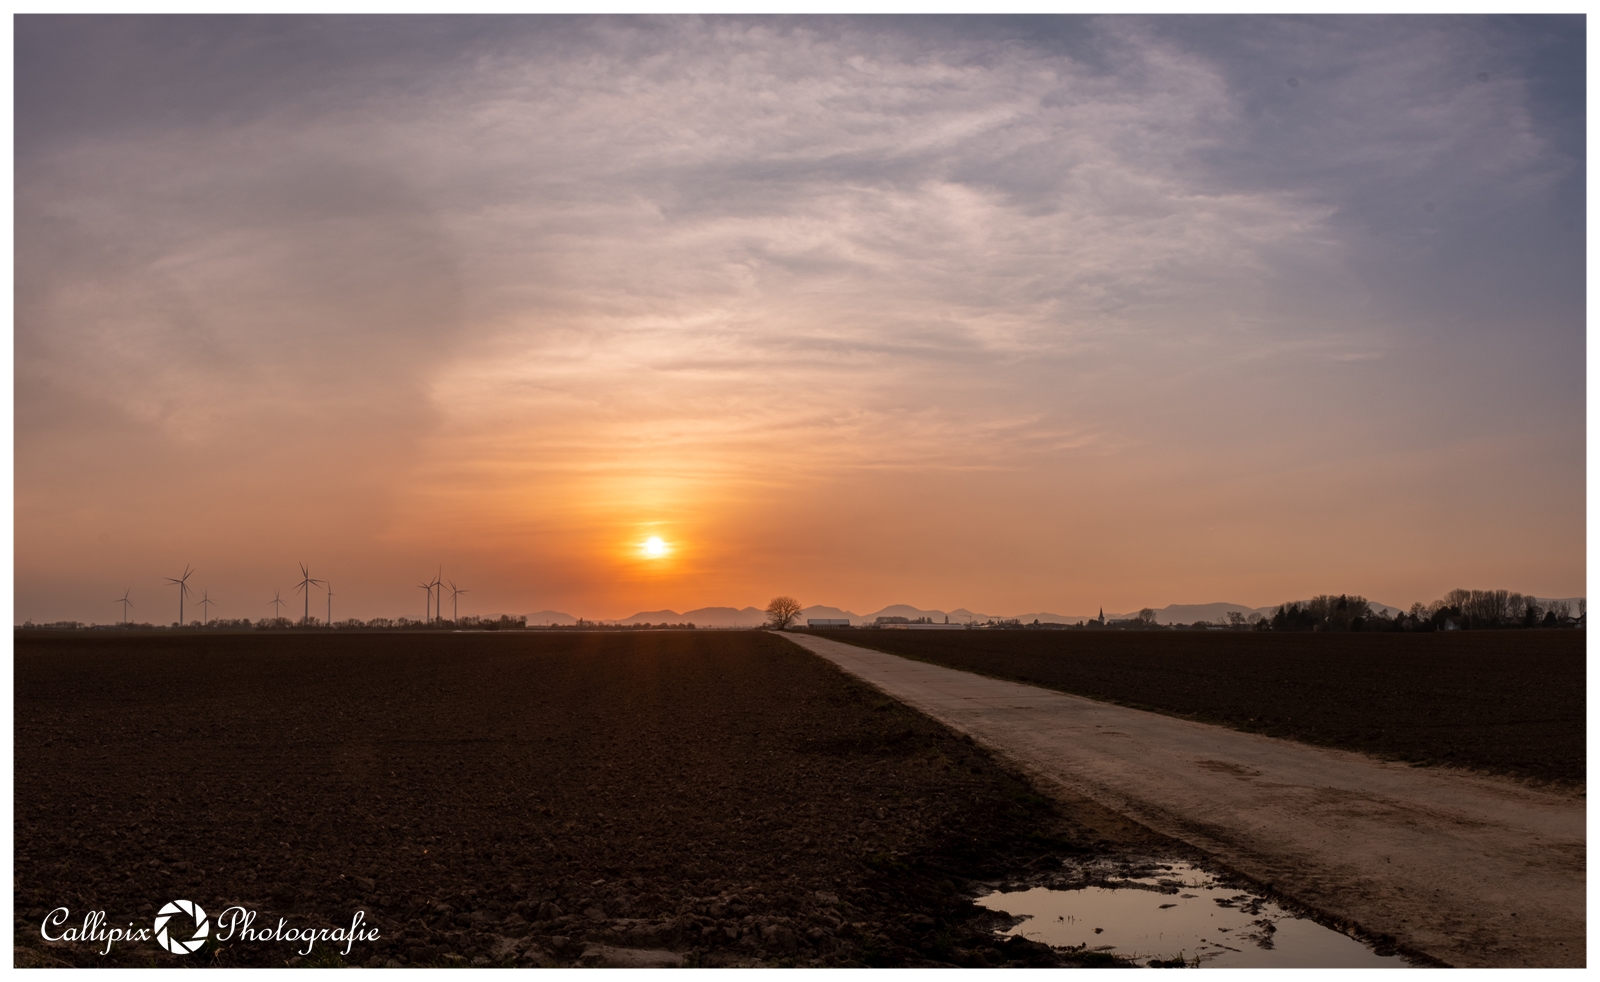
(591, 261)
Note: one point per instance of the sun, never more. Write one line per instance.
(654, 547)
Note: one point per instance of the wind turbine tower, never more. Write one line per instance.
(455, 593)
(277, 606)
(305, 585)
(427, 608)
(206, 603)
(182, 583)
(126, 603)
(329, 585)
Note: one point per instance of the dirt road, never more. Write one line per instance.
(1470, 870)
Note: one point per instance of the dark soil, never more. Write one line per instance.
(1508, 702)
(516, 799)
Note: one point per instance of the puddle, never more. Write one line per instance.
(1178, 910)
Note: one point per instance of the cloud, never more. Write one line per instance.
(606, 264)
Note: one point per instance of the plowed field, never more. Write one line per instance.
(518, 799)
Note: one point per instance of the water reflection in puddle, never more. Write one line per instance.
(1221, 926)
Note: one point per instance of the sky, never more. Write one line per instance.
(1010, 313)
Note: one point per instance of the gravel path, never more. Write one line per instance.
(1471, 870)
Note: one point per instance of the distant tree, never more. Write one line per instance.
(1481, 609)
(1236, 620)
(1381, 620)
(1294, 617)
(1487, 608)
(782, 610)
(1341, 613)
(1445, 612)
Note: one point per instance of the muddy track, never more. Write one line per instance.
(1467, 869)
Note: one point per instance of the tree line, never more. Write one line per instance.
(502, 623)
(1458, 610)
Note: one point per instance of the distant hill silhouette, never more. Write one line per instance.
(826, 613)
(701, 617)
(549, 618)
(755, 617)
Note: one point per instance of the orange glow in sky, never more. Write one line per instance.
(609, 315)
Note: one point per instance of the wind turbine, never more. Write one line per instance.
(438, 603)
(277, 606)
(126, 603)
(305, 585)
(182, 583)
(206, 603)
(455, 611)
(329, 585)
(428, 604)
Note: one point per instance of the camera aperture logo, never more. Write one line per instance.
(235, 923)
(202, 927)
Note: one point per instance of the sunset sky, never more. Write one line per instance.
(1007, 313)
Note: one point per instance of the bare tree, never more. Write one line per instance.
(782, 610)
(1532, 611)
(1490, 607)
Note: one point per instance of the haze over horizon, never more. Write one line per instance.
(1009, 313)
